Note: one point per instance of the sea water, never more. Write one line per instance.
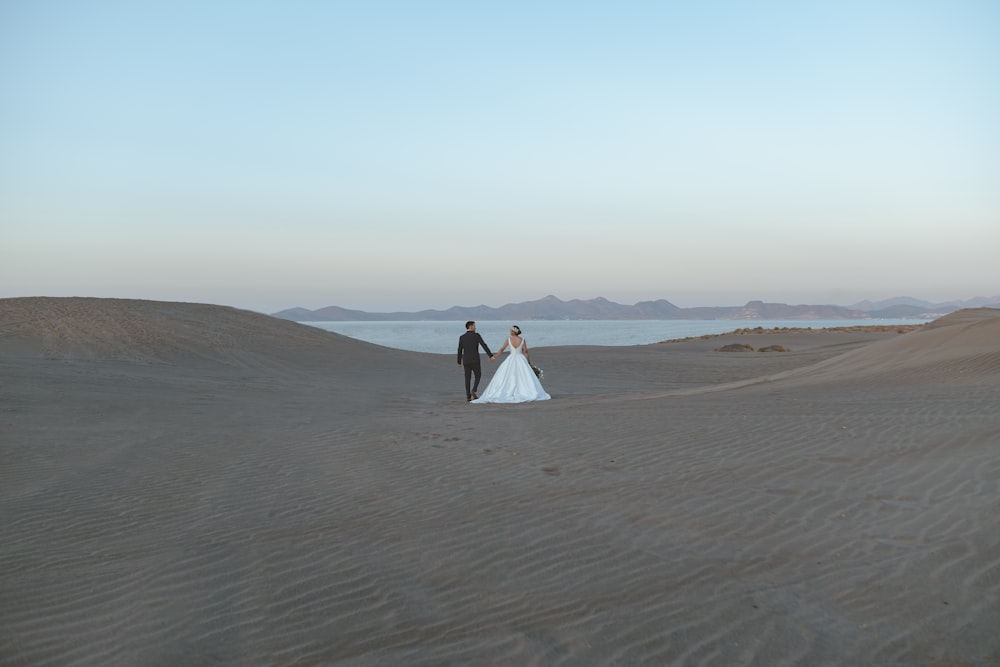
(442, 337)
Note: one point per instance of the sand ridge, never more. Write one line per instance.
(956, 348)
(153, 331)
(241, 491)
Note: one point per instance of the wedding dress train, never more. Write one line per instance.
(514, 381)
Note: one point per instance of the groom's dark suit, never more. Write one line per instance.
(468, 357)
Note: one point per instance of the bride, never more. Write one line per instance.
(514, 381)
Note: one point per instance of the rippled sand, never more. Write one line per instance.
(184, 484)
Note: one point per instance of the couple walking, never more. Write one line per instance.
(514, 381)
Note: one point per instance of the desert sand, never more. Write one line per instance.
(186, 484)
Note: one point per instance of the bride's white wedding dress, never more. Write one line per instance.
(514, 381)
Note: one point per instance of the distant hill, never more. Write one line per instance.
(553, 308)
(906, 306)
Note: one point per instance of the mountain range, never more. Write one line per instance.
(553, 308)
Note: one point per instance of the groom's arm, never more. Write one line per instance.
(485, 346)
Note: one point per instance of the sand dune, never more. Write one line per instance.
(185, 484)
(962, 344)
(152, 331)
(962, 347)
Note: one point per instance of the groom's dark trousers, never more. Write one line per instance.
(468, 356)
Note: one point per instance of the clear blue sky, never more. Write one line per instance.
(407, 155)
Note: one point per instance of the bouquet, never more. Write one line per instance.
(539, 373)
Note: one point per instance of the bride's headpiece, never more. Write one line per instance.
(516, 329)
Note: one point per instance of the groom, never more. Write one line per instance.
(468, 356)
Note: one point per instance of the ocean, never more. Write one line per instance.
(442, 337)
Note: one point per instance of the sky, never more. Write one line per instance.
(402, 155)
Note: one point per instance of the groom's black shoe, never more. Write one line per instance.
(475, 395)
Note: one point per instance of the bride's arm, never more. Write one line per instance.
(524, 348)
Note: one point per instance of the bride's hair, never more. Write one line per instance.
(516, 329)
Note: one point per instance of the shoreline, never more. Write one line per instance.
(744, 331)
